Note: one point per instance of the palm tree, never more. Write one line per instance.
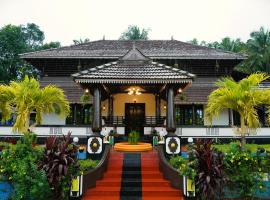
(243, 97)
(24, 97)
(81, 41)
(135, 33)
(228, 44)
(258, 49)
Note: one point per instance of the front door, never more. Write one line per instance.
(134, 115)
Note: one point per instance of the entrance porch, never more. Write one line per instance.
(133, 93)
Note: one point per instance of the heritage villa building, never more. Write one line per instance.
(136, 85)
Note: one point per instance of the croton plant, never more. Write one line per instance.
(60, 164)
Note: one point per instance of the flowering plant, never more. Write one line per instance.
(244, 171)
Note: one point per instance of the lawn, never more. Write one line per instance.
(250, 147)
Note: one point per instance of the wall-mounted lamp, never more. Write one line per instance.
(180, 90)
(86, 90)
(164, 107)
(103, 107)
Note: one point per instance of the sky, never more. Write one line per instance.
(209, 20)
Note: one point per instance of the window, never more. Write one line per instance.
(80, 114)
(189, 114)
(198, 109)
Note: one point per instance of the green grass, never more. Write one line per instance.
(250, 147)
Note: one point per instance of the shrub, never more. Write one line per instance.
(210, 177)
(244, 171)
(19, 166)
(184, 166)
(133, 137)
(60, 164)
(88, 164)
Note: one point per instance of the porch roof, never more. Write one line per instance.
(133, 68)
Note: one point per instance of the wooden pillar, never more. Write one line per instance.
(230, 117)
(96, 127)
(170, 118)
(193, 114)
(110, 106)
(75, 114)
(157, 106)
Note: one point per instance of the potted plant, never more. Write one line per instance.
(133, 137)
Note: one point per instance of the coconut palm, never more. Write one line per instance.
(243, 97)
(24, 97)
(259, 52)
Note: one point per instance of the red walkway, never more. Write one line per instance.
(153, 184)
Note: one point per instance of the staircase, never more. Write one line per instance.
(133, 176)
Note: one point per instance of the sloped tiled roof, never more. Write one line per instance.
(198, 92)
(133, 68)
(155, 49)
(72, 90)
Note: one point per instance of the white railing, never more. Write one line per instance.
(226, 132)
(218, 132)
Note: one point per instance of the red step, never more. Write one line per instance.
(154, 186)
(149, 161)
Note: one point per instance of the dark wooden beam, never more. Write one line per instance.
(170, 118)
(157, 105)
(96, 126)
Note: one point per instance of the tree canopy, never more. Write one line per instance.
(135, 33)
(15, 40)
(257, 49)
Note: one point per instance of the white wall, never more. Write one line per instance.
(221, 120)
(219, 132)
(52, 119)
(160, 130)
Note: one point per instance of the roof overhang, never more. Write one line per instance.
(134, 81)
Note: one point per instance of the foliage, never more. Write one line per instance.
(60, 164)
(50, 45)
(244, 171)
(135, 33)
(15, 40)
(210, 178)
(87, 164)
(24, 97)
(225, 148)
(226, 44)
(19, 165)
(184, 166)
(243, 97)
(258, 50)
(85, 98)
(133, 137)
(81, 41)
